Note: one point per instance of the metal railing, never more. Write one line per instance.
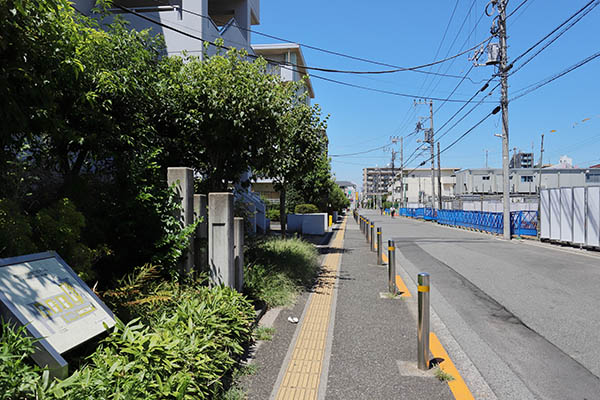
(523, 223)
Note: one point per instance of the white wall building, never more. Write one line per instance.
(229, 20)
(417, 186)
(288, 62)
(523, 181)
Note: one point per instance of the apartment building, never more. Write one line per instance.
(379, 182)
(417, 186)
(287, 61)
(229, 20)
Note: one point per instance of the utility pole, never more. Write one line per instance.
(429, 139)
(504, 105)
(539, 189)
(486, 159)
(401, 171)
(439, 179)
(540, 169)
(432, 154)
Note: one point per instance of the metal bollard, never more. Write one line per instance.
(379, 249)
(392, 267)
(373, 238)
(423, 326)
(367, 223)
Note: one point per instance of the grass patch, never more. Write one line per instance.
(278, 269)
(264, 333)
(389, 295)
(442, 375)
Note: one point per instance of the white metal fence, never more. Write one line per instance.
(571, 215)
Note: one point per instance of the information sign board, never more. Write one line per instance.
(43, 293)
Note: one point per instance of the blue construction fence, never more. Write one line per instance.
(523, 223)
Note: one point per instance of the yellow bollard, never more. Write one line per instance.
(330, 220)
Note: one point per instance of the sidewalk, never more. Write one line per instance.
(351, 342)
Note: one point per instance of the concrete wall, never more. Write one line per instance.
(315, 224)
(308, 224)
(294, 223)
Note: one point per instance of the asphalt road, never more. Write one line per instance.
(526, 314)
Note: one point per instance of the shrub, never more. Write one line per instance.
(15, 230)
(278, 268)
(306, 209)
(187, 349)
(273, 214)
(18, 378)
(186, 346)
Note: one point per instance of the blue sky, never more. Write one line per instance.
(409, 33)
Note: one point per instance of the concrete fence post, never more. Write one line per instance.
(183, 179)
(238, 231)
(423, 324)
(220, 239)
(201, 237)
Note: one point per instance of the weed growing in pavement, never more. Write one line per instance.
(442, 375)
(235, 393)
(264, 333)
(389, 295)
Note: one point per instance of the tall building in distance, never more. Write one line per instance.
(521, 160)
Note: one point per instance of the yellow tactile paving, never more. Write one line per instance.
(303, 372)
(459, 388)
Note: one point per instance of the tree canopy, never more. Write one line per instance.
(93, 114)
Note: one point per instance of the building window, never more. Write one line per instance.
(486, 178)
(592, 177)
(527, 178)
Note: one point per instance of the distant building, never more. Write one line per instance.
(523, 181)
(349, 189)
(521, 160)
(563, 163)
(379, 182)
(266, 190)
(417, 186)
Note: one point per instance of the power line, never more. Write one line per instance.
(278, 62)
(333, 70)
(542, 83)
(517, 8)
(528, 89)
(442, 41)
(459, 138)
(454, 41)
(582, 9)
(412, 96)
(360, 152)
